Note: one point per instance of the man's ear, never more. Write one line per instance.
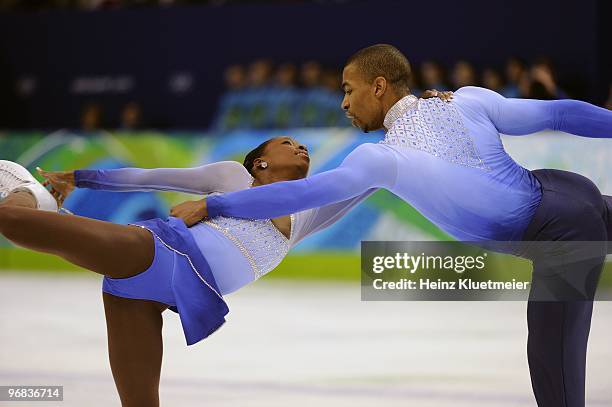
(380, 86)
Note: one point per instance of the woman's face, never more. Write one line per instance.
(285, 153)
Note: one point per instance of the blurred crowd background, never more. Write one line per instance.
(278, 95)
(269, 95)
(285, 95)
(222, 65)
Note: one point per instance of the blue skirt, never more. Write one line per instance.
(179, 277)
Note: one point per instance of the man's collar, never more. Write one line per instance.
(398, 109)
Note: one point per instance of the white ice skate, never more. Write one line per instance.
(13, 177)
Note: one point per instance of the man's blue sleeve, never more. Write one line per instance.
(526, 116)
(368, 166)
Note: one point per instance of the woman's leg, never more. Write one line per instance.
(134, 327)
(116, 251)
(135, 348)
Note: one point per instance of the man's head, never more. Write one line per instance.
(373, 79)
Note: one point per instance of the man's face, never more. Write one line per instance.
(360, 101)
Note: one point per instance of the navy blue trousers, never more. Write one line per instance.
(572, 210)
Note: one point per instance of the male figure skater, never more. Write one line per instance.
(448, 161)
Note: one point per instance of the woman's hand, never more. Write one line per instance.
(61, 182)
(191, 212)
(432, 93)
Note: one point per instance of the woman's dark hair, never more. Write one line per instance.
(255, 154)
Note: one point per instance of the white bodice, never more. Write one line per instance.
(261, 243)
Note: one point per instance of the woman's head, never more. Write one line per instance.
(278, 159)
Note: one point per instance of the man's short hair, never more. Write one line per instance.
(383, 60)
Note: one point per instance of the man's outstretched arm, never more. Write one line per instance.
(368, 166)
(526, 116)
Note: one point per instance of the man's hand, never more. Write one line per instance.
(432, 93)
(61, 182)
(191, 212)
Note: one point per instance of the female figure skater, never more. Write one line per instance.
(158, 264)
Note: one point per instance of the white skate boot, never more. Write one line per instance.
(13, 177)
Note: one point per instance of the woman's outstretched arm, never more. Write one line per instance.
(223, 176)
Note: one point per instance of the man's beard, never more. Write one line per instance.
(363, 128)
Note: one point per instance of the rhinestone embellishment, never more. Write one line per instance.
(435, 127)
(261, 243)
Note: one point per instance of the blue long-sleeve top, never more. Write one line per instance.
(445, 159)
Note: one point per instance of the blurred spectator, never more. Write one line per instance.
(235, 77)
(432, 76)
(515, 70)
(285, 96)
(8, 4)
(492, 79)
(412, 85)
(131, 116)
(91, 117)
(286, 76)
(257, 93)
(232, 108)
(333, 113)
(543, 83)
(95, 4)
(259, 73)
(311, 74)
(312, 95)
(463, 75)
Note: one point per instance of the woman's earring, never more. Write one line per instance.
(264, 164)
